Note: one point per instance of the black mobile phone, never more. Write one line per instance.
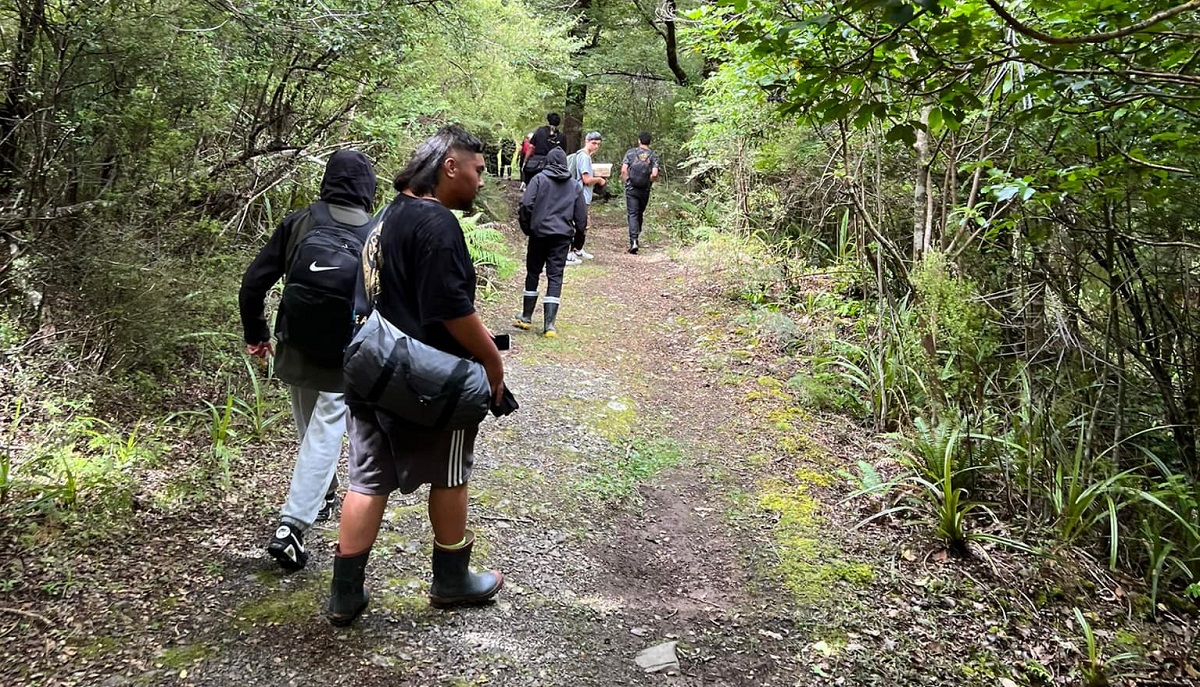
(501, 340)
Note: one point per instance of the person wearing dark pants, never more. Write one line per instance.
(636, 200)
(553, 215)
(639, 170)
(544, 139)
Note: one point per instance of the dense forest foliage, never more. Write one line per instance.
(998, 200)
(1011, 191)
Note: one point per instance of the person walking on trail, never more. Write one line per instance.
(552, 214)
(544, 139)
(316, 251)
(582, 170)
(639, 170)
(507, 150)
(523, 155)
(424, 283)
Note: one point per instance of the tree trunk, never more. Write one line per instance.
(573, 116)
(577, 92)
(681, 76)
(921, 197)
(16, 103)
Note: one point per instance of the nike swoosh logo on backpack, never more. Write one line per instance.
(314, 268)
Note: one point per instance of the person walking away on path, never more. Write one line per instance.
(507, 150)
(584, 173)
(317, 251)
(491, 156)
(417, 266)
(525, 153)
(544, 139)
(552, 214)
(639, 170)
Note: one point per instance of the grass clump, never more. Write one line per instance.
(642, 459)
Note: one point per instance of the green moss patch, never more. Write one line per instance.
(297, 601)
(808, 563)
(184, 656)
(642, 459)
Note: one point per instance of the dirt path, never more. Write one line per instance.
(618, 502)
(608, 502)
(659, 484)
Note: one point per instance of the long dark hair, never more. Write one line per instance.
(420, 175)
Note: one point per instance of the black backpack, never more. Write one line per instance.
(553, 140)
(316, 312)
(639, 171)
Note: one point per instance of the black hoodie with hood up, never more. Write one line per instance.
(348, 187)
(553, 202)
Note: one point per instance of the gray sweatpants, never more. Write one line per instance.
(320, 424)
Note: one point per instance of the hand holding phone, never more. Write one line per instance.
(502, 341)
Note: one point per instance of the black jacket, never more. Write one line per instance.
(349, 188)
(553, 202)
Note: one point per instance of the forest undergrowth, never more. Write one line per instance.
(967, 231)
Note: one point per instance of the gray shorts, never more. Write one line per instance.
(385, 457)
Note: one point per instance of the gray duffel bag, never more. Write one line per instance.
(425, 388)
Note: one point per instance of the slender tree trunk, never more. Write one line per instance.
(573, 116)
(921, 195)
(681, 76)
(576, 102)
(16, 103)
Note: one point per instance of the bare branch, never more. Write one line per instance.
(1154, 165)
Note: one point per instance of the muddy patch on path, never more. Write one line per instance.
(675, 551)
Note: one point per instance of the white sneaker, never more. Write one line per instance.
(573, 259)
(583, 254)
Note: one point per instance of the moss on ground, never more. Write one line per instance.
(99, 646)
(640, 461)
(184, 656)
(296, 599)
(404, 596)
(809, 562)
(517, 474)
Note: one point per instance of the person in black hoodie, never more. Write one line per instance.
(551, 213)
(347, 198)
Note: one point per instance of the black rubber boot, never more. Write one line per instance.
(550, 312)
(453, 582)
(347, 596)
(525, 319)
(633, 245)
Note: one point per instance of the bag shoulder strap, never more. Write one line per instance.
(300, 229)
(321, 215)
(372, 259)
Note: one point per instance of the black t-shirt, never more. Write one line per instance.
(426, 275)
(545, 139)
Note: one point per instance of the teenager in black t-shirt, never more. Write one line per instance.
(424, 254)
(424, 283)
(639, 171)
(544, 139)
